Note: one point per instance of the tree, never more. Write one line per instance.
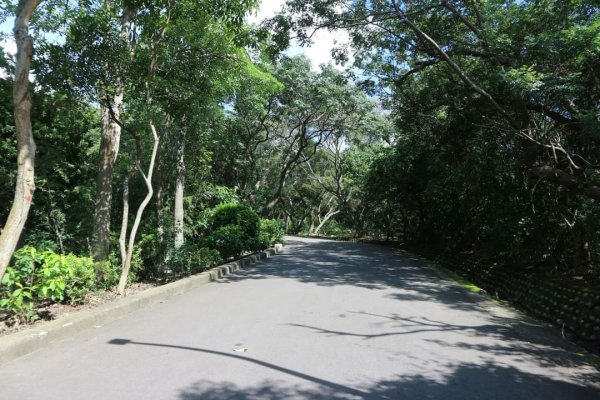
(499, 51)
(25, 184)
(313, 108)
(111, 98)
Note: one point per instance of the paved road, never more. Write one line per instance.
(325, 320)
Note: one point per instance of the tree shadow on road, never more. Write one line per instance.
(373, 267)
(462, 381)
(414, 325)
(331, 263)
(497, 339)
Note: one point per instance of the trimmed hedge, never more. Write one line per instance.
(232, 214)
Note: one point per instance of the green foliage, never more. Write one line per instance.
(38, 276)
(228, 240)
(242, 217)
(335, 229)
(107, 273)
(16, 295)
(271, 232)
(190, 259)
(81, 278)
(65, 134)
(200, 205)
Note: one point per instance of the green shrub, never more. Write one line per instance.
(16, 297)
(271, 232)
(243, 217)
(107, 273)
(37, 276)
(81, 278)
(190, 259)
(228, 241)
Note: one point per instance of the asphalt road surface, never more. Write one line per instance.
(324, 320)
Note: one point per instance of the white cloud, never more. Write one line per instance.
(267, 9)
(323, 41)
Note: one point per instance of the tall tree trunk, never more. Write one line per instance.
(160, 183)
(25, 185)
(111, 108)
(125, 219)
(160, 207)
(179, 187)
(109, 149)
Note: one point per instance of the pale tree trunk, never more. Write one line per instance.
(327, 217)
(111, 108)
(160, 207)
(125, 220)
(25, 184)
(127, 251)
(311, 228)
(179, 188)
(160, 188)
(331, 211)
(160, 185)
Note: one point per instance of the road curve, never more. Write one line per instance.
(324, 320)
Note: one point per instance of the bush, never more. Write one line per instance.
(107, 272)
(16, 296)
(228, 241)
(190, 259)
(81, 278)
(241, 216)
(40, 276)
(271, 232)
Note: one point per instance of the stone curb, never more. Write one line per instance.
(23, 342)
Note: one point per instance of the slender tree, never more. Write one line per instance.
(25, 185)
(111, 104)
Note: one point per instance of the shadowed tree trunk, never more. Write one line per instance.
(109, 149)
(25, 185)
(111, 107)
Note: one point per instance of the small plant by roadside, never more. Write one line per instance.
(44, 276)
(190, 259)
(271, 231)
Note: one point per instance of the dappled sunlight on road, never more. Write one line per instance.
(323, 320)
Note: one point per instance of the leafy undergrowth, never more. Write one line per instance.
(52, 311)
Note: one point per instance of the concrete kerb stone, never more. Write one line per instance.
(23, 342)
